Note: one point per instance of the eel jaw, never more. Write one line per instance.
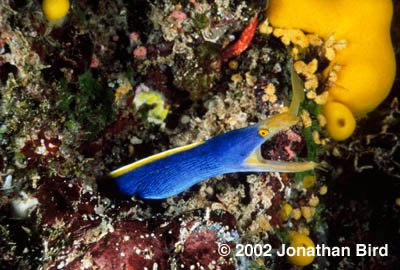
(256, 163)
(276, 124)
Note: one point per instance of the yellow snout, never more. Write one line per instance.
(278, 123)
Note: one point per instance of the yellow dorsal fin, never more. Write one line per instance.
(149, 159)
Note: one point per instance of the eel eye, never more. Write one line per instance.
(263, 132)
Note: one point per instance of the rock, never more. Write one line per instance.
(188, 241)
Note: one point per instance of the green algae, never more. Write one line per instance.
(90, 106)
(201, 21)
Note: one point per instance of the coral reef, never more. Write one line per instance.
(71, 112)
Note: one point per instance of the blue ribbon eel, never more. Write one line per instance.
(171, 172)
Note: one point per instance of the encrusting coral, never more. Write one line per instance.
(365, 68)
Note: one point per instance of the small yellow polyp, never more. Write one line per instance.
(298, 240)
(55, 9)
(285, 211)
(340, 120)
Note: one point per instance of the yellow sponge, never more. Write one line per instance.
(55, 9)
(367, 63)
(340, 120)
